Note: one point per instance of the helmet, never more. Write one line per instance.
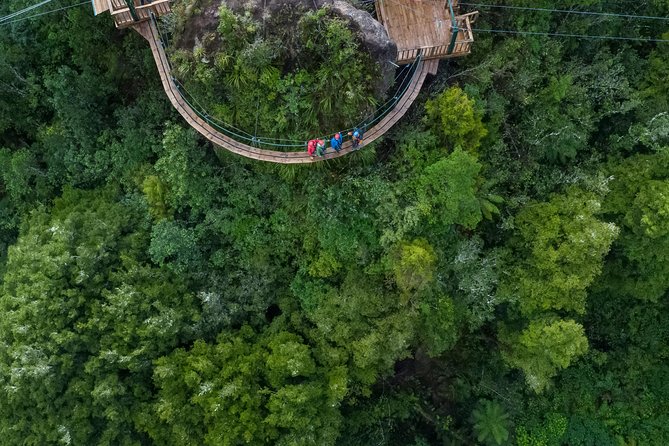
(337, 136)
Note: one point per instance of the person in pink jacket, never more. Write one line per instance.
(316, 146)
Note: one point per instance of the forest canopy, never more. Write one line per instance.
(494, 271)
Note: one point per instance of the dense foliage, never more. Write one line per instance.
(289, 74)
(495, 271)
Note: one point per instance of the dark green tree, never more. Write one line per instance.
(491, 423)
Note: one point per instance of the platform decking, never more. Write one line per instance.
(128, 13)
(415, 24)
(425, 27)
(149, 31)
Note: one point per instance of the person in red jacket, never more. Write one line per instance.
(311, 147)
(316, 146)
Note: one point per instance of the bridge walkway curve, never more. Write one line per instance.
(150, 32)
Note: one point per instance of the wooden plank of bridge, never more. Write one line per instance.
(149, 31)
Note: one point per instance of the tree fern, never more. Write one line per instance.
(491, 423)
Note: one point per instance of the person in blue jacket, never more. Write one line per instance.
(336, 141)
(356, 137)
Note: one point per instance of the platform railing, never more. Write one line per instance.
(160, 7)
(120, 5)
(434, 52)
(117, 5)
(454, 28)
(457, 41)
(126, 13)
(460, 45)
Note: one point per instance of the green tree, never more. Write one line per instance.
(637, 203)
(22, 177)
(476, 273)
(491, 423)
(544, 348)
(438, 326)
(248, 388)
(360, 321)
(175, 247)
(453, 116)
(156, 195)
(183, 169)
(550, 432)
(414, 266)
(558, 253)
(447, 191)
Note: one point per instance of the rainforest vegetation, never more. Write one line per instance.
(495, 271)
(291, 74)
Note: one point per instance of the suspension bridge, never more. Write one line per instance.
(450, 37)
(217, 135)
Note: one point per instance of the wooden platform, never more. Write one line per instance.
(128, 13)
(425, 27)
(149, 31)
(415, 24)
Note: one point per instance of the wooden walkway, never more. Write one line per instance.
(149, 31)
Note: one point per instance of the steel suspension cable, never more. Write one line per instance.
(566, 11)
(24, 10)
(44, 13)
(578, 36)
